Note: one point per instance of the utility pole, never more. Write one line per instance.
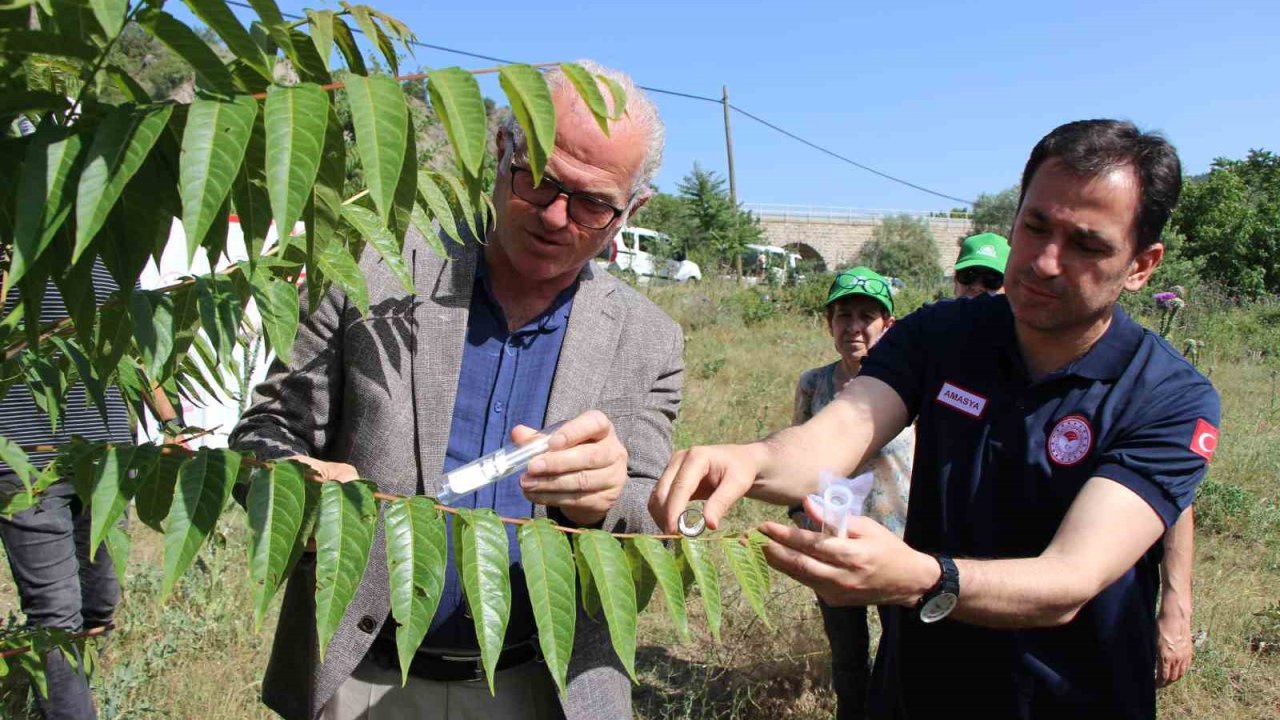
(733, 181)
(728, 144)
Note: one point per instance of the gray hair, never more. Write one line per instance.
(640, 110)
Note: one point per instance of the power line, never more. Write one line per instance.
(674, 93)
(854, 163)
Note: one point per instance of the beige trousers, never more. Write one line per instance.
(525, 692)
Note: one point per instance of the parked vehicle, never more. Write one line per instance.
(647, 254)
(761, 261)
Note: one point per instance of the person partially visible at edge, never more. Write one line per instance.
(48, 545)
(980, 265)
(516, 332)
(1057, 440)
(859, 310)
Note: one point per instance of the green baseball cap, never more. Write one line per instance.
(987, 250)
(861, 281)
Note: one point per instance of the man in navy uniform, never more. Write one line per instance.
(1057, 440)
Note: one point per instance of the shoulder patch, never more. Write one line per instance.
(1204, 440)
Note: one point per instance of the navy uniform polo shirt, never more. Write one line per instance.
(999, 460)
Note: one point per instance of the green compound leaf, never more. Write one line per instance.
(641, 574)
(119, 146)
(152, 315)
(16, 458)
(249, 193)
(432, 199)
(213, 146)
(295, 119)
(380, 118)
(531, 103)
(204, 484)
(118, 549)
(217, 15)
(754, 582)
(697, 558)
(455, 96)
(276, 26)
(275, 507)
(416, 557)
(324, 208)
(464, 201)
(374, 34)
(44, 196)
(757, 540)
(667, 571)
(110, 14)
(619, 96)
(549, 573)
(219, 312)
(210, 71)
(585, 83)
(587, 587)
(155, 490)
(373, 230)
(344, 535)
(482, 560)
(279, 306)
(612, 576)
(336, 263)
(348, 47)
(113, 488)
(321, 22)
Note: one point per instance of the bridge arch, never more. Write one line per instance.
(838, 234)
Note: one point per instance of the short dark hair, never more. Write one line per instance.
(1090, 148)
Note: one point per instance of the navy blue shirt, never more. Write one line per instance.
(999, 460)
(505, 381)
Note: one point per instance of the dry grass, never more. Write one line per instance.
(197, 654)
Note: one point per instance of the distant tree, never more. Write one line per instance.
(1231, 220)
(995, 212)
(718, 231)
(902, 246)
(665, 213)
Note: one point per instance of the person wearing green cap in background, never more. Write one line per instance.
(980, 267)
(859, 309)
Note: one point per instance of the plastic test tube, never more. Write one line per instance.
(510, 459)
(837, 501)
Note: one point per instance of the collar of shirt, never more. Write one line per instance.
(549, 320)
(1106, 360)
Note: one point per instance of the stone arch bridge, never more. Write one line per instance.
(836, 235)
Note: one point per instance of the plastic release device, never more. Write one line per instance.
(509, 460)
(840, 497)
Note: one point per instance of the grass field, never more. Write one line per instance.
(197, 655)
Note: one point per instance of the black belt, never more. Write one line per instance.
(451, 667)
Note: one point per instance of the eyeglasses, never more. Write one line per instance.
(586, 210)
(990, 280)
(873, 286)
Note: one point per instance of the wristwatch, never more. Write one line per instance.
(943, 596)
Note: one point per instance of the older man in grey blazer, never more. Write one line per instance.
(517, 332)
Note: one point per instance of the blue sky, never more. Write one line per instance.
(947, 95)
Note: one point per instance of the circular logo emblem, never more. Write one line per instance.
(1070, 441)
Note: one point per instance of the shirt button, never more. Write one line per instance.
(497, 407)
(367, 624)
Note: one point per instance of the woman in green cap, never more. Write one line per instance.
(980, 266)
(859, 310)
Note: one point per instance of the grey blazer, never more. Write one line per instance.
(378, 392)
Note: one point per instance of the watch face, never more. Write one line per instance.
(938, 607)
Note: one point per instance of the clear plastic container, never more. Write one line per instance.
(509, 460)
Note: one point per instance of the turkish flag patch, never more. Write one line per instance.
(1204, 440)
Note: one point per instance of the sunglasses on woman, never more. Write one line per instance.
(990, 280)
